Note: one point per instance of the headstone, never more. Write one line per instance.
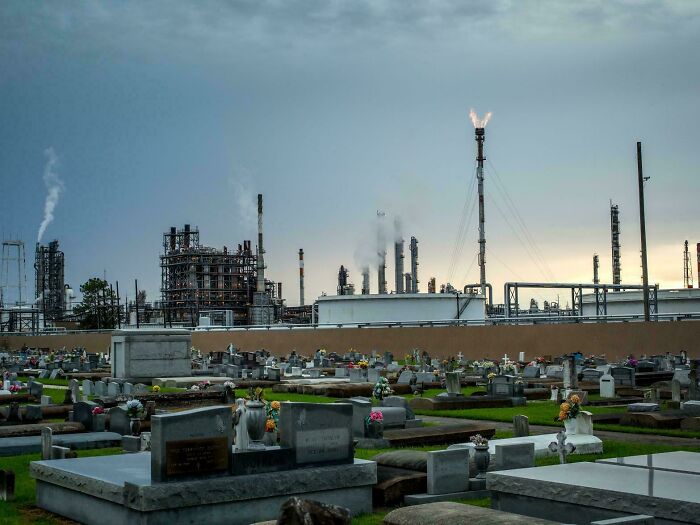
(192, 443)
(373, 375)
(296, 371)
(562, 447)
(87, 388)
(448, 471)
(82, 413)
(607, 386)
(140, 388)
(682, 376)
(691, 407)
(676, 391)
(119, 422)
(584, 422)
(74, 387)
(531, 372)
(7, 485)
(59, 452)
(318, 433)
(32, 414)
(54, 373)
(112, 389)
(45, 400)
(131, 443)
(100, 388)
(405, 377)
(401, 402)
(273, 374)
(582, 395)
(521, 426)
(623, 375)
(127, 389)
(35, 389)
(341, 372)
(454, 388)
(46, 443)
(591, 375)
(521, 455)
(153, 353)
(356, 375)
(554, 371)
(554, 395)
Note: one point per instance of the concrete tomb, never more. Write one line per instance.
(149, 353)
(607, 386)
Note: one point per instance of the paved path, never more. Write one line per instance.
(651, 439)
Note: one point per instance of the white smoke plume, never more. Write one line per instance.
(398, 229)
(246, 204)
(479, 123)
(381, 236)
(54, 187)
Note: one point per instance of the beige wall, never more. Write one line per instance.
(616, 340)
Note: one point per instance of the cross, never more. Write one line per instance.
(505, 358)
(460, 356)
(562, 448)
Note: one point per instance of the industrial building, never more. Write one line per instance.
(50, 286)
(196, 279)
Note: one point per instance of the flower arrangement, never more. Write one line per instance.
(509, 367)
(490, 376)
(382, 389)
(374, 417)
(273, 415)
(194, 387)
(483, 364)
(631, 361)
(569, 409)
(479, 440)
(270, 425)
(351, 364)
(230, 385)
(203, 385)
(322, 351)
(436, 373)
(363, 364)
(97, 411)
(255, 394)
(155, 389)
(14, 389)
(540, 360)
(134, 408)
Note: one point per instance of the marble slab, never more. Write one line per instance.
(688, 462)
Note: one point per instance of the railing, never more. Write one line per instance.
(489, 321)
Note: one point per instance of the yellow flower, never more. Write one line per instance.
(275, 405)
(562, 416)
(575, 399)
(156, 389)
(270, 425)
(565, 407)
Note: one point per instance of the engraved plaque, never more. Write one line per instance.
(196, 456)
(329, 444)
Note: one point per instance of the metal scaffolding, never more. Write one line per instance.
(49, 266)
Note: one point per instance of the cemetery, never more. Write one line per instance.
(153, 431)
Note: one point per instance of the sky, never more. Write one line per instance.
(137, 116)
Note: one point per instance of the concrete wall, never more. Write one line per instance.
(616, 340)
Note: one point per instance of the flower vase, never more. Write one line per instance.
(482, 458)
(135, 426)
(375, 429)
(571, 426)
(255, 423)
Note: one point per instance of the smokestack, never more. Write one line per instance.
(431, 285)
(414, 265)
(398, 265)
(407, 282)
(687, 268)
(596, 264)
(381, 272)
(261, 251)
(301, 277)
(615, 242)
(698, 251)
(342, 281)
(365, 280)
(480, 135)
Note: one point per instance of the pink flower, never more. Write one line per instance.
(376, 416)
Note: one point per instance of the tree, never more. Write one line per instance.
(98, 310)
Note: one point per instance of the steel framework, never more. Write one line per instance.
(49, 266)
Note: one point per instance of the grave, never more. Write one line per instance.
(623, 376)
(148, 353)
(607, 386)
(660, 485)
(201, 477)
(514, 456)
(447, 477)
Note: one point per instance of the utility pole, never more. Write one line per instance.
(643, 232)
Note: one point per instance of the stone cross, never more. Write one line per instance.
(505, 358)
(564, 449)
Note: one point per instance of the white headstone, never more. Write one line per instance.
(607, 386)
(521, 357)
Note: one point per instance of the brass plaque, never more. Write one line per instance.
(196, 456)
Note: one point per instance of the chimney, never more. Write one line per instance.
(398, 266)
(365, 280)
(301, 277)
(261, 251)
(381, 272)
(414, 265)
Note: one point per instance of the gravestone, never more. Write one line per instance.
(112, 389)
(521, 455)
(584, 423)
(682, 376)
(32, 414)
(119, 422)
(454, 388)
(591, 375)
(676, 391)
(54, 373)
(399, 401)
(35, 389)
(100, 388)
(88, 388)
(318, 433)
(623, 375)
(7, 485)
(373, 375)
(273, 374)
(356, 375)
(82, 413)
(341, 372)
(46, 443)
(521, 426)
(296, 371)
(607, 386)
(153, 353)
(361, 409)
(448, 471)
(127, 389)
(45, 400)
(554, 371)
(405, 377)
(74, 387)
(191, 444)
(569, 375)
(531, 372)
(502, 386)
(140, 388)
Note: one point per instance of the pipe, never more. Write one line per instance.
(488, 287)
(398, 266)
(261, 251)
(414, 265)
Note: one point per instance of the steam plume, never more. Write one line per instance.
(479, 123)
(54, 187)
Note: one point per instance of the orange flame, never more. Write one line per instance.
(479, 123)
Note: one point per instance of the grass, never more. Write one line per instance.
(22, 510)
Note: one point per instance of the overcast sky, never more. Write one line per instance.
(166, 113)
